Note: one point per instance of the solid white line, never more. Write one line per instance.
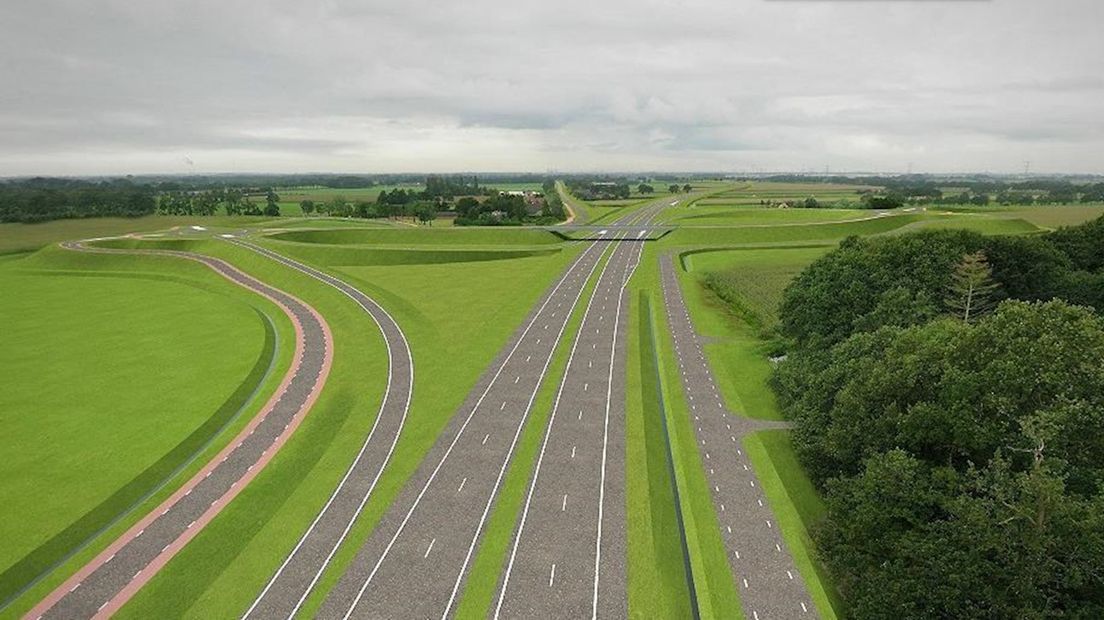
(513, 553)
(463, 427)
(344, 288)
(544, 447)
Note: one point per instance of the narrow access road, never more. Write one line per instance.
(110, 579)
(293, 581)
(766, 578)
(568, 553)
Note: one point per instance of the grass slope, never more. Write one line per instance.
(101, 436)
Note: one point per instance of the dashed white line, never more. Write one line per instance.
(462, 483)
(429, 548)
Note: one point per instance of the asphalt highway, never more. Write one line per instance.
(767, 580)
(568, 553)
(293, 581)
(103, 585)
(416, 560)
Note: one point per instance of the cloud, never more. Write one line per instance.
(113, 86)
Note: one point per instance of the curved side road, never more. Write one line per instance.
(289, 587)
(110, 579)
(769, 583)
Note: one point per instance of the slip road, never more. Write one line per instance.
(766, 578)
(110, 579)
(568, 553)
(415, 561)
(293, 581)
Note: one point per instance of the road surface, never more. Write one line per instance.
(293, 581)
(415, 562)
(766, 578)
(567, 557)
(110, 579)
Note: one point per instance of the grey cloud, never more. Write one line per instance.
(492, 84)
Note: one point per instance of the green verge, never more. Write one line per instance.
(659, 579)
(143, 274)
(713, 580)
(478, 597)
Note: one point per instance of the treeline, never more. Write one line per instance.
(39, 204)
(947, 391)
(215, 201)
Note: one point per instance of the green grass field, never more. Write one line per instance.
(101, 436)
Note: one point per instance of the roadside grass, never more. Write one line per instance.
(23, 237)
(780, 234)
(657, 564)
(713, 580)
(453, 336)
(102, 436)
(395, 236)
(736, 215)
(486, 572)
(1049, 216)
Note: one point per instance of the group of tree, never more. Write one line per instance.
(23, 203)
(947, 391)
(501, 209)
(212, 202)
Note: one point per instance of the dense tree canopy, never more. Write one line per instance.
(960, 460)
(27, 204)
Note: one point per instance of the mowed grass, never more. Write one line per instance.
(103, 355)
(26, 237)
(457, 316)
(741, 215)
(409, 237)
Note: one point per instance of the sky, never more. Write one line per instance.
(197, 86)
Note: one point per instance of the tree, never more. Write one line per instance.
(686, 188)
(811, 203)
(673, 188)
(972, 291)
(272, 209)
(307, 206)
(426, 214)
(338, 206)
(644, 188)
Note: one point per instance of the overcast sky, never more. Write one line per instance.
(137, 86)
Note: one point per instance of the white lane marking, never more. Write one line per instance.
(586, 386)
(722, 507)
(429, 548)
(755, 614)
(572, 451)
(462, 483)
(528, 357)
(485, 439)
(517, 378)
(804, 608)
(501, 472)
(760, 502)
(729, 528)
(737, 555)
(777, 547)
(605, 442)
(769, 523)
(580, 414)
(745, 583)
(503, 406)
(563, 507)
(790, 575)
(552, 576)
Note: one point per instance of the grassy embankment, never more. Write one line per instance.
(103, 436)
